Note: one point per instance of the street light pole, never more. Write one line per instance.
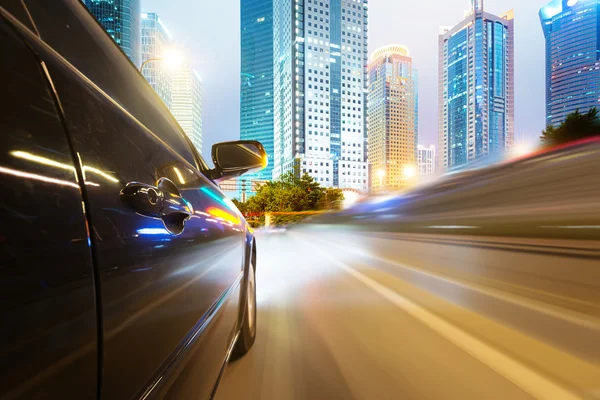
(243, 190)
(147, 61)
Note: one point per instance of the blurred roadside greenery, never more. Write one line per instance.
(292, 192)
(576, 126)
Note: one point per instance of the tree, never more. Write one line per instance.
(576, 126)
(241, 206)
(291, 193)
(332, 200)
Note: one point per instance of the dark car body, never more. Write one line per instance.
(102, 297)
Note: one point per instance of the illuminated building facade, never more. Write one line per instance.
(320, 82)
(122, 20)
(572, 31)
(392, 118)
(426, 160)
(186, 102)
(256, 91)
(155, 40)
(476, 87)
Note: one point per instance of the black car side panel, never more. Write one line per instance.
(48, 344)
(167, 297)
(157, 286)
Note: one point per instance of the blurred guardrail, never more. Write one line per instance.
(554, 193)
(270, 214)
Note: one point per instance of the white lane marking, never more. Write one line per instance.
(451, 227)
(534, 383)
(574, 227)
(557, 312)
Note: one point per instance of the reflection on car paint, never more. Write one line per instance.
(47, 161)
(43, 178)
(223, 215)
(152, 231)
(179, 175)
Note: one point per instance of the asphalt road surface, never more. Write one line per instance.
(348, 315)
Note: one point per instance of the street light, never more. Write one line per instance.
(381, 174)
(522, 149)
(409, 171)
(171, 58)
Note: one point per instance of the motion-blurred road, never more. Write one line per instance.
(344, 314)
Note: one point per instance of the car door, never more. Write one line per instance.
(169, 275)
(48, 341)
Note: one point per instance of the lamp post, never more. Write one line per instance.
(171, 58)
(147, 61)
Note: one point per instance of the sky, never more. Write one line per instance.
(210, 31)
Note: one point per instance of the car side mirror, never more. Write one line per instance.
(233, 159)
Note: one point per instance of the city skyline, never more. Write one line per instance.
(300, 139)
(218, 40)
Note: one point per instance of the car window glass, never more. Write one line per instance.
(68, 27)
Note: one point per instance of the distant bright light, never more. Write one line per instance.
(381, 173)
(350, 198)
(409, 171)
(522, 149)
(571, 3)
(172, 59)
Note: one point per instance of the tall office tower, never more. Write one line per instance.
(186, 102)
(392, 116)
(476, 87)
(426, 159)
(122, 20)
(572, 31)
(156, 40)
(256, 94)
(320, 58)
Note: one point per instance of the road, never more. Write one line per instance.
(354, 315)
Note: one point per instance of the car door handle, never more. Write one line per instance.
(162, 201)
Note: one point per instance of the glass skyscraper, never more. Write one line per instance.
(320, 82)
(393, 115)
(572, 31)
(186, 102)
(122, 20)
(155, 40)
(476, 87)
(256, 92)
(180, 87)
